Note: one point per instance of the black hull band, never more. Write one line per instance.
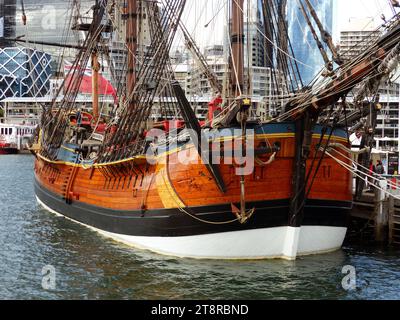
(175, 223)
(8, 151)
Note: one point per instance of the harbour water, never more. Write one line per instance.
(89, 266)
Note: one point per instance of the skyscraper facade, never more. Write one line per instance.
(356, 36)
(303, 43)
(7, 22)
(24, 73)
(253, 38)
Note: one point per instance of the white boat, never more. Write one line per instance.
(14, 137)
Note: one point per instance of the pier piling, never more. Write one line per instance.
(392, 213)
(381, 211)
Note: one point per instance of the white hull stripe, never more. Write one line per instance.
(268, 243)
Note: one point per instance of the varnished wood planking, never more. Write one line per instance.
(193, 184)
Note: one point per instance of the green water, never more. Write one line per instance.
(89, 266)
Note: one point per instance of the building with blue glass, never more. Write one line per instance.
(24, 73)
(303, 43)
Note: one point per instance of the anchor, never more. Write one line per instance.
(243, 215)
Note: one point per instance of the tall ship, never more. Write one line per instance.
(232, 187)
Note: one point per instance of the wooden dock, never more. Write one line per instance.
(394, 221)
(381, 213)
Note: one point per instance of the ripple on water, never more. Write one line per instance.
(89, 266)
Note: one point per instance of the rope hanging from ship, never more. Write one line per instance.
(362, 175)
(129, 123)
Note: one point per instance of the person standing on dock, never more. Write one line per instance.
(379, 168)
(372, 171)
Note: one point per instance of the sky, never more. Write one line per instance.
(347, 9)
(211, 10)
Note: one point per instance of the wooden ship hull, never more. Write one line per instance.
(177, 209)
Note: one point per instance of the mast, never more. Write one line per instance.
(283, 40)
(95, 84)
(131, 40)
(97, 16)
(237, 41)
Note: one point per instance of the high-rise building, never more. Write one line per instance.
(254, 40)
(24, 73)
(302, 41)
(356, 36)
(7, 22)
(259, 76)
(197, 83)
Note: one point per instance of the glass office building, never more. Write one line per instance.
(303, 43)
(24, 73)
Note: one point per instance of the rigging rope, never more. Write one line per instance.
(362, 177)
